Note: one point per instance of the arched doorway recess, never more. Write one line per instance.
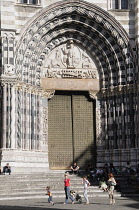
(105, 42)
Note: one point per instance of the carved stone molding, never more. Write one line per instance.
(93, 94)
(45, 116)
(48, 93)
(98, 126)
(41, 37)
(118, 90)
(28, 88)
(8, 80)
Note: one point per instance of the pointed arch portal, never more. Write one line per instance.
(75, 46)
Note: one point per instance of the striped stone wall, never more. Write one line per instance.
(137, 55)
(109, 44)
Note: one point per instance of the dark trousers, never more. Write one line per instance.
(6, 170)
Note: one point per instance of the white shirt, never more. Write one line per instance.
(85, 183)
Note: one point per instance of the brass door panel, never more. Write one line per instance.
(60, 132)
(70, 130)
(83, 130)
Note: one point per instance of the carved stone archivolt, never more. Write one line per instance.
(64, 52)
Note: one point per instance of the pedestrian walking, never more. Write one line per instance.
(111, 184)
(67, 190)
(85, 183)
(50, 199)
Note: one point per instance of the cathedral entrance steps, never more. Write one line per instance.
(27, 186)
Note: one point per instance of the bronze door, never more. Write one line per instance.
(70, 130)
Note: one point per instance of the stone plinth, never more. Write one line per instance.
(25, 161)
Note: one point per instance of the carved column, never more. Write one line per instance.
(4, 114)
(8, 80)
(93, 95)
(9, 117)
(98, 126)
(13, 117)
(44, 129)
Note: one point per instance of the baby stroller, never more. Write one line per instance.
(76, 196)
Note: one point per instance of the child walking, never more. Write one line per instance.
(85, 183)
(111, 184)
(50, 195)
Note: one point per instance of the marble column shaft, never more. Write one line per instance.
(4, 114)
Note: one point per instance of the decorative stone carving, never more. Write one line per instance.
(48, 93)
(45, 126)
(93, 94)
(86, 61)
(98, 126)
(28, 88)
(71, 55)
(76, 73)
(68, 61)
(45, 120)
(9, 70)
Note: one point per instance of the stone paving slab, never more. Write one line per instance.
(123, 203)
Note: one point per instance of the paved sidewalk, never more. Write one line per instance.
(123, 203)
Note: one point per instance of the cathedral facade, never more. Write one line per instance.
(69, 83)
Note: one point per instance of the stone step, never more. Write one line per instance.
(25, 186)
(55, 194)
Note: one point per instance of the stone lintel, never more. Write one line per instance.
(70, 84)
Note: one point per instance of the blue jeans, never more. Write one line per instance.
(85, 195)
(50, 199)
(67, 193)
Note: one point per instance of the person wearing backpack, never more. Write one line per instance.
(111, 185)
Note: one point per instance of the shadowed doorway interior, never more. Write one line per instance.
(71, 129)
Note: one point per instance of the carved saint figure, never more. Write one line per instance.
(69, 55)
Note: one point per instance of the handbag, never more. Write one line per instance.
(113, 184)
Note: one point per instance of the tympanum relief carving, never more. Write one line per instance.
(69, 61)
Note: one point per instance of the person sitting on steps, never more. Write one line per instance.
(74, 168)
(7, 169)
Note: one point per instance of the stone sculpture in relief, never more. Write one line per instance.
(70, 57)
(69, 61)
(9, 70)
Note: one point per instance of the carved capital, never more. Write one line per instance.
(7, 81)
(48, 93)
(19, 86)
(93, 94)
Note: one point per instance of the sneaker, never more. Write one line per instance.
(113, 202)
(110, 202)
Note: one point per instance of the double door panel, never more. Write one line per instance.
(70, 130)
